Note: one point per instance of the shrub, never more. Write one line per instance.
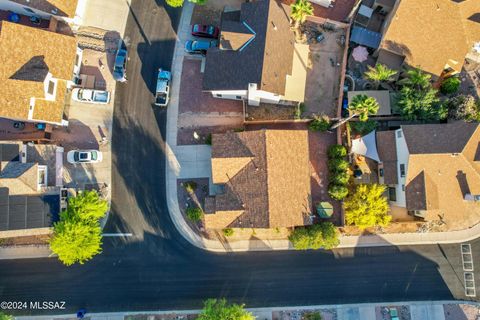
(319, 123)
(4, 316)
(340, 178)
(323, 235)
(195, 214)
(363, 127)
(208, 139)
(214, 309)
(299, 110)
(367, 207)
(312, 316)
(190, 186)
(337, 192)
(228, 232)
(337, 165)
(336, 151)
(463, 107)
(450, 85)
(174, 3)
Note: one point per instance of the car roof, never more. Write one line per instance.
(198, 44)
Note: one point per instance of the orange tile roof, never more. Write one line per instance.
(27, 55)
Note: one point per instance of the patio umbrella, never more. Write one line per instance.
(324, 209)
(360, 54)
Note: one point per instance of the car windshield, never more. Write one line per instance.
(75, 156)
(101, 96)
(117, 69)
(195, 28)
(94, 155)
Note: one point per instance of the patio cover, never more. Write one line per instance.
(366, 37)
(366, 146)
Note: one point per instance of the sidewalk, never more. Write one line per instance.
(422, 310)
(194, 162)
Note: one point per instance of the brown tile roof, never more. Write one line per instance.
(19, 178)
(387, 152)
(259, 62)
(438, 138)
(271, 190)
(28, 54)
(234, 35)
(417, 31)
(421, 193)
(51, 111)
(65, 8)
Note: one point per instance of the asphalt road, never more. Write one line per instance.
(157, 269)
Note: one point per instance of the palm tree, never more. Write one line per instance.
(363, 106)
(416, 79)
(379, 73)
(300, 10)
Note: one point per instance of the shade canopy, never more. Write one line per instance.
(360, 54)
(366, 146)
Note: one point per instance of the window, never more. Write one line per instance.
(402, 170)
(403, 187)
(399, 133)
(392, 194)
(77, 60)
(28, 10)
(238, 97)
(51, 87)
(380, 172)
(218, 95)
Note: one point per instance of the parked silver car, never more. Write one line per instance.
(84, 156)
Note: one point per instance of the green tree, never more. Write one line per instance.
(421, 104)
(219, 309)
(363, 127)
(319, 123)
(450, 85)
(195, 214)
(337, 192)
(300, 10)
(340, 178)
(337, 165)
(313, 316)
(367, 207)
(380, 73)
(75, 240)
(87, 206)
(336, 151)
(174, 3)
(464, 107)
(4, 316)
(363, 106)
(417, 79)
(323, 235)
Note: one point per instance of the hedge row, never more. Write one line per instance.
(338, 167)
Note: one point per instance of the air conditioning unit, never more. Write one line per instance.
(63, 199)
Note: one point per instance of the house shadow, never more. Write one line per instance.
(463, 183)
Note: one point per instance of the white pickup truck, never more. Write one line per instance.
(162, 94)
(91, 96)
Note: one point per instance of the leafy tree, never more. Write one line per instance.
(416, 79)
(87, 206)
(312, 316)
(195, 214)
(219, 309)
(174, 3)
(337, 165)
(367, 207)
(300, 10)
(420, 104)
(380, 73)
(363, 106)
(319, 123)
(323, 235)
(4, 316)
(75, 240)
(337, 192)
(464, 107)
(340, 178)
(450, 85)
(363, 127)
(336, 151)
(228, 232)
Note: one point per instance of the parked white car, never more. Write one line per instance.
(84, 156)
(91, 96)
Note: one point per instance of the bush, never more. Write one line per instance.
(450, 85)
(363, 128)
(299, 110)
(337, 165)
(337, 192)
(464, 107)
(214, 309)
(4, 316)
(323, 235)
(174, 3)
(319, 123)
(228, 232)
(194, 214)
(312, 316)
(190, 186)
(336, 151)
(340, 178)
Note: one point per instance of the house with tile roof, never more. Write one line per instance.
(248, 64)
(432, 35)
(262, 178)
(29, 190)
(37, 70)
(433, 171)
(63, 10)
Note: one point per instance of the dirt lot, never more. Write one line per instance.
(199, 135)
(266, 111)
(339, 12)
(461, 312)
(23, 241)
(324, 72)
(210, 13)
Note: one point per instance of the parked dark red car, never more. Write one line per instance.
(205, 31)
